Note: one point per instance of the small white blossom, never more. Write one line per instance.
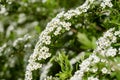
(95, 58)
(104, 70)
(117, 33)
(28, 75)
(111, 52)
(92, 78)
(118, 65)
(57, 32)
(43, 1)
(48, 78)
(61, 14)
(44, 49)
(2, 9)
(2, 48)
(103, 60)
(66, 25)
(119, 51)
(21, 18)
(94, 70)
(106, 3)
(112, 68)
(1, 27)
(45, 70)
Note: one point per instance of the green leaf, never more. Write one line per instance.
(86, 43)
(118, 75)
(66, 68)
(38, 29)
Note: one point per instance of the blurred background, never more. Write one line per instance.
(21, 22)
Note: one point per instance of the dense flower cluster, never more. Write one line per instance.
(45, 70)
(106, 3)
(55, 28)
(104, 49)
(2, 48)
(21, 40)
(16, 43)
(9, 51)
(2, 9)
(92, 78)
(41, 50)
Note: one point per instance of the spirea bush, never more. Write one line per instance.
(81, 43)
(89, 30)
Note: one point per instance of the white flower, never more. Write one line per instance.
(106, 3)
(44, 53)
(66, 25)
(43, 1)
(85, 64)
(117, 33)
(48, 78)
(67, 16)
(21, 18)
(104, 70)
(92, 78)
(2, 48)
(45, 70)
(94, 70)
(113, 69)
(21, 40)
(2, 9)
(118, 65)
(33, 66)
(46, 39)
(43, 56)
(61, 14)
(103, 60)
(103, 42)
(28, 75)
(119, 51)
(58, 31)
(78, 76)
(111, 52)
(95, 58)
(103, 5)
(44, 49)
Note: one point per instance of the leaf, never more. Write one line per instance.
(118, 75)
(86, 43)
(93, 42)
(66, 68)
(38, 29)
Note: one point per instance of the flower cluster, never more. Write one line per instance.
(105, 41)
(45, 70)
(10, 49)
(104, 49)
(92, 78)
(54, 27)
(21, 40)
(106, 3)
(16, 44)
(2, 48)
(2, 9)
